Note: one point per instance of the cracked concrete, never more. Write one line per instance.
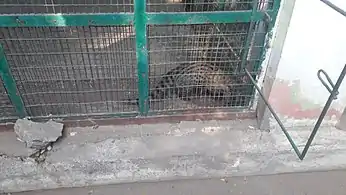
(117, 154)
(37, 135)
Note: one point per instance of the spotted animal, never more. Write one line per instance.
(193, 80)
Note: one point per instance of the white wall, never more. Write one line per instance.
(316, 39)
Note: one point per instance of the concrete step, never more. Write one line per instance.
(118, 154)
(316, 183)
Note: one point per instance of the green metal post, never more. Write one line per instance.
(272, 16)
(140, 21)
(10, 85)
(221, 5)
(249, 36)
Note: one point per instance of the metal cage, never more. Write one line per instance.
(84, 58)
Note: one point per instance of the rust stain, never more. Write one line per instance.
(281, 99)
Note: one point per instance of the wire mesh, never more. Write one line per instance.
(206, 5)
(6, 108)
(218, 45)
(65, 6)
(72, 70)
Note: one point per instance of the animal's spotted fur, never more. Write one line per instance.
(194, 80)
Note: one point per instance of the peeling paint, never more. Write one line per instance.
(287, 99)
(297, 97)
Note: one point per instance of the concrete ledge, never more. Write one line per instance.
(113, 154)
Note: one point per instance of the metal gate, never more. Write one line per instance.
(82, 58)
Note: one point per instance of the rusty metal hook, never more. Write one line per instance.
(325, 84)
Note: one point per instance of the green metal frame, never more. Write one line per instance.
(142, 56)
(54, 20)
(271, 19)
(140, 18)
(49, 20)
(10, 85)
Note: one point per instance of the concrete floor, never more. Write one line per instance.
(143, 153)
(314, 183)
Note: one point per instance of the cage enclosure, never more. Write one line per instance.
(106, 58)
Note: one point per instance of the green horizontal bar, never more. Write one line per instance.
(78, 118)
(89, 115)
(44, 20)
(204, 17)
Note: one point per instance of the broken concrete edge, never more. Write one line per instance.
(38, 136)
